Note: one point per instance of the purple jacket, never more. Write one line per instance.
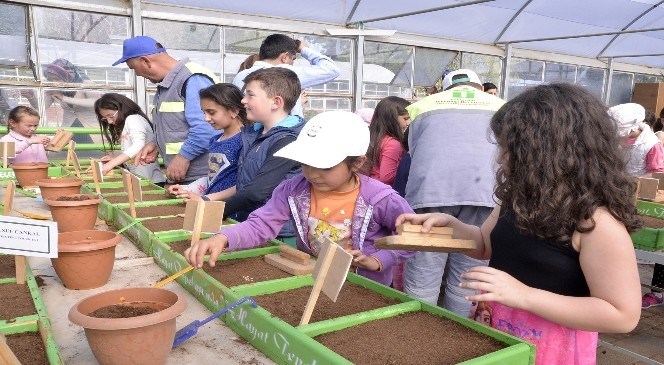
(376, 211)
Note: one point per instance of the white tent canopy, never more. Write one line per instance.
(629, 31)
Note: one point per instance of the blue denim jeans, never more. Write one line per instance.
(423, 273)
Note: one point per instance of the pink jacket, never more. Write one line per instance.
(25, 152)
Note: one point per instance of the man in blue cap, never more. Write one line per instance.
(182, 134)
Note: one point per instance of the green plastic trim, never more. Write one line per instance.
(650, 209)
(22, 319)
(7, 281)
(19, 327)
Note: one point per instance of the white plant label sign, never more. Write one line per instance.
(28, 237)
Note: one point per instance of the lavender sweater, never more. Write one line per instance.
(376, 211)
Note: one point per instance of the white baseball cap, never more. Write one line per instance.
(628, 117)
(459, 76)
(327, 139)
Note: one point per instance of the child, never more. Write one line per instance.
(643, 150)
(389, 121)
(562, 262)
(328, 200)
(29, 147)
(270, 94)
(123, 122)
(222, 108)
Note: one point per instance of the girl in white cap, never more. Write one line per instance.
(644, 152)
(328, 200)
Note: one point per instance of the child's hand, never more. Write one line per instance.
(175, 189)
(426, 220)
(215, 245)
(364, 261)
(106, 169)
(106, 158)
(498, 286)
(35, 139)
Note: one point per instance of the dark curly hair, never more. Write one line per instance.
(560, 161)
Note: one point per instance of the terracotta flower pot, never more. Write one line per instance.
(27, 172)
(141, 340)
(53, 188)
(85, 258)
(74, 215)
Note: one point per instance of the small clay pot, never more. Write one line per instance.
(142, 340)
(74, 215)
(85, 258)
(53, 188)
(27, 172)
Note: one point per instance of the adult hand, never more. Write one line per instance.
(177, 168)
(301, 45)
(496, 285)
(148, 154)
(364, 261)
(215, 245)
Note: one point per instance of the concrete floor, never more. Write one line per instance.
(644, 345)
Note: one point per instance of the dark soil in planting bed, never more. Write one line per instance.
(146, 198)
(16, 300)
(121, 189)
(158, 211)
(244, 271)
(28, 348)
(7, 266)
(412, 338)
(652, 222)
(121, 311)
(289, 305)
(181, 246)
(163, 224)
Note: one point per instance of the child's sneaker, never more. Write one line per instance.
(652, 300)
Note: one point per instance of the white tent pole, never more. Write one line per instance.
(359, 72)
(352, 11)
(627, 26)
(512, 20)
(423, 11)
(137, 29)
(609, 79)
(633, 55)
(645, 30)
(505, 77)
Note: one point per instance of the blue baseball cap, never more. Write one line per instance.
(139, 46)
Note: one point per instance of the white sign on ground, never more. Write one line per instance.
(28, 237)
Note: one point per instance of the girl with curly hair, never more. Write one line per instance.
(562, 265)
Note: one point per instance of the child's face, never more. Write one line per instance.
(109, 116)
(404, 121)
(259, 106)
(25, 126)
(338, 178)
(218, 116)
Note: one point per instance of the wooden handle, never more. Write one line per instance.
(294, 255)
(173, 277)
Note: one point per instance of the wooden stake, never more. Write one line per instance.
(70, 148)
(19, 260)
(7, 356)
(198, 222)
(95, 175)
(318, 284)
(130, 192)
(5, 151)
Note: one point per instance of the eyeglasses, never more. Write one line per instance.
(105, 119)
